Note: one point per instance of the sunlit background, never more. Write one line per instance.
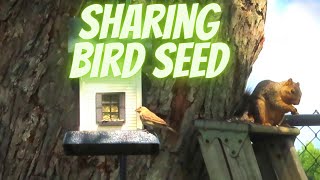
(292, 50)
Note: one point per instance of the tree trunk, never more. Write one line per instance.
(39, 103)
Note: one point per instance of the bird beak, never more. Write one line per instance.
(138, 109)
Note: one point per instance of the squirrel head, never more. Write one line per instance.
(290, 92)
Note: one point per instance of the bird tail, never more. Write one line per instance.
(174, 131)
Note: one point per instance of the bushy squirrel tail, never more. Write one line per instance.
(243, 105)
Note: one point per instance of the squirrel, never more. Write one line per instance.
(270, 101)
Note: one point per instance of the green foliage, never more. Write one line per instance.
(310, 161)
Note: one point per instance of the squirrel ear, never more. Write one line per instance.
(298, 84)
(289, 81)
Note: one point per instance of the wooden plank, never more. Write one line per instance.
(295, 160)
(273, 130)
(236, 148)
(285, 160)
(244, 166)
(273, 157)
(244, 127)
(221, 125)
(214, 159)
(247, 156)
(265, 166)
(278, 159)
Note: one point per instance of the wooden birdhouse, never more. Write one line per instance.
(106, 103)
(108, 121)
(109, 103)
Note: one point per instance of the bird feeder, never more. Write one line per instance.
(109, 124)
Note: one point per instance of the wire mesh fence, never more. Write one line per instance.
(308, 144)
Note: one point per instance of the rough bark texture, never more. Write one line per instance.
(38, 103)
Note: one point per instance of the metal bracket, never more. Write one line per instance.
(232, 140)
(231, 135)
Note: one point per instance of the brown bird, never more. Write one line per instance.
(148, 118)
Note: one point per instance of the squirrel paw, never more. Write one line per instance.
(294, 111)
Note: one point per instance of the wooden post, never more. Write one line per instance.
(277, 158)
(237, 151)
(227, 151)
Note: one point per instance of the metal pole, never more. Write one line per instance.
(303, 120)
(123, 167)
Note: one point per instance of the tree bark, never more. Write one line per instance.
(39, 103)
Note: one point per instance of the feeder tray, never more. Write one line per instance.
(120, 142)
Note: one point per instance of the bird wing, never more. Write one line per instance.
(154, 118)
